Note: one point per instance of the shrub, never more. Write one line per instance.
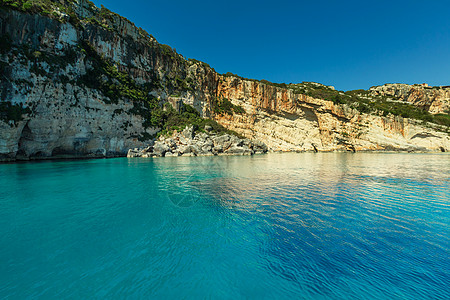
(27, 6)
(225, 107)
(442, 119)
(12, 112)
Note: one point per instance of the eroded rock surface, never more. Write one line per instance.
(435, 100)
(187, 143)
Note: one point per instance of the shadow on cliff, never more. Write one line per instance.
(24, 140)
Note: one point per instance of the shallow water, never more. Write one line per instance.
(277, 226)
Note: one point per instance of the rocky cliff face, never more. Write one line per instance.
(435, 100)
(40, 71)
(83, 81)
(296, 122)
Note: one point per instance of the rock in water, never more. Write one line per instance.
(160, 149)
(187, 143)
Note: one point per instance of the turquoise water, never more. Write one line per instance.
(277, 226)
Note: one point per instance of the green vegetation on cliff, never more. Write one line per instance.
(225, 107)
(366, 102)
(117, 85)
(102, 75)
(174, 120)
(113, 83)
(65, 11)
(361, 100)
(49, 8)
(12, 113)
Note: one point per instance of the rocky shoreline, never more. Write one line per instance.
(188, 143)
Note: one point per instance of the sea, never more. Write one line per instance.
(275, 226)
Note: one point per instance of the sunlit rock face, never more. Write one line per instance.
(435, 100)
(58, 113)
(294, 122)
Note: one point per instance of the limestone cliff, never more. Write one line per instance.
(436, 100)
(288, 121)
(77, 80)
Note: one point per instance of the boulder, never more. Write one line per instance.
(208, 142)
(202, 144)
(171, 143)
(181, 140)
(218, 149)
(247, 150)
(235, 150)
(160, 149)
(169, 154)
(201, 137)
(188, 132)
(247, 142)
(235, 141)
(148, 149)
(184, 149)
(188, 154)
(189, 149)
(227, 145)
(195, 149)
(220, 140)
(259, 147)
(134, 153)
(206, 148)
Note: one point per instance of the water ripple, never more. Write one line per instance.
(308, 226)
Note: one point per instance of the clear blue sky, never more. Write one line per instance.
(347, 44)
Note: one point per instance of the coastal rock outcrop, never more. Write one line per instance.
(187, 143)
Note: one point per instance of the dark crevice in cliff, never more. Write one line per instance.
(289, 116)
(310, 115)
(423, 135)
(26, 136)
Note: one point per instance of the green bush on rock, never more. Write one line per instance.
(225, 107)
(12, 112)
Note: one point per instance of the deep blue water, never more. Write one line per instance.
(277, 226)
